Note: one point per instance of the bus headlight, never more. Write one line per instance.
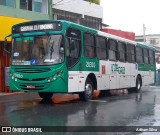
(54, 78)
(60, 73)
(49, 80)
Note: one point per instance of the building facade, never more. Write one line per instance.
(153, 39)
(78, 11)
(13, 12)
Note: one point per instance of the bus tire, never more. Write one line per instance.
(88, 92)
(46, 95)
(138, 84)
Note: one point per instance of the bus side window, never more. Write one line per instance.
(152, 58)
(131, 53)
(89, 45)
(146, 56)
(101, 48)
(121, 51)
(139, 55)
(113, 49)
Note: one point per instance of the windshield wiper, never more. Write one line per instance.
(52, 50)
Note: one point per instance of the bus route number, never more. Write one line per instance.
(18, 75)
(90, 64)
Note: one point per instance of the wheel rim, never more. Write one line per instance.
(88, 89)
(138, 85)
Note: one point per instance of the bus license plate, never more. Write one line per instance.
(31, 87)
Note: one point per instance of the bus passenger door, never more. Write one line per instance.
(72, 58)
(113, 77)
(73, 49)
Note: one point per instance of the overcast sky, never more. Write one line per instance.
(130, 15)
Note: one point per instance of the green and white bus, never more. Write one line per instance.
(63, 57)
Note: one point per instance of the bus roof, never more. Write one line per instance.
(146, 46)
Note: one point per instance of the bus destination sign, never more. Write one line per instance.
(36, 27)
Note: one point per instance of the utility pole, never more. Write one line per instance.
(144, 35)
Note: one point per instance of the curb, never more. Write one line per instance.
(7, 94)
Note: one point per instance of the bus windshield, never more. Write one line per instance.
(38, 50)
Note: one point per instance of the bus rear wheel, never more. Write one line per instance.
(138, 85)
(88, 92)
(46, 95)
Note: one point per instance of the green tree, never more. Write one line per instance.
(94, 1)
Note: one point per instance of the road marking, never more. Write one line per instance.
(99, 101)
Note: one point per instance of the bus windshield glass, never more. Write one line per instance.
(38, 50)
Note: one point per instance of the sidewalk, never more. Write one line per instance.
(12, 93)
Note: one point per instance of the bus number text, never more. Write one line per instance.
(18, 75)
(90, 64)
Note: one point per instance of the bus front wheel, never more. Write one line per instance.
(88, 92)
(45, 95)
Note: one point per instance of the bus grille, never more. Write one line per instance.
(38, 79)
(32, 70)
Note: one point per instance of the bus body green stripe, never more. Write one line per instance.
(85, 64)
(145, 67)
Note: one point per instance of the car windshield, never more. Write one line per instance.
(38, 50)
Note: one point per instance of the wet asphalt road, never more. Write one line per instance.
(135, 109)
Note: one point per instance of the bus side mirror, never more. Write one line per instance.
(5, 46)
